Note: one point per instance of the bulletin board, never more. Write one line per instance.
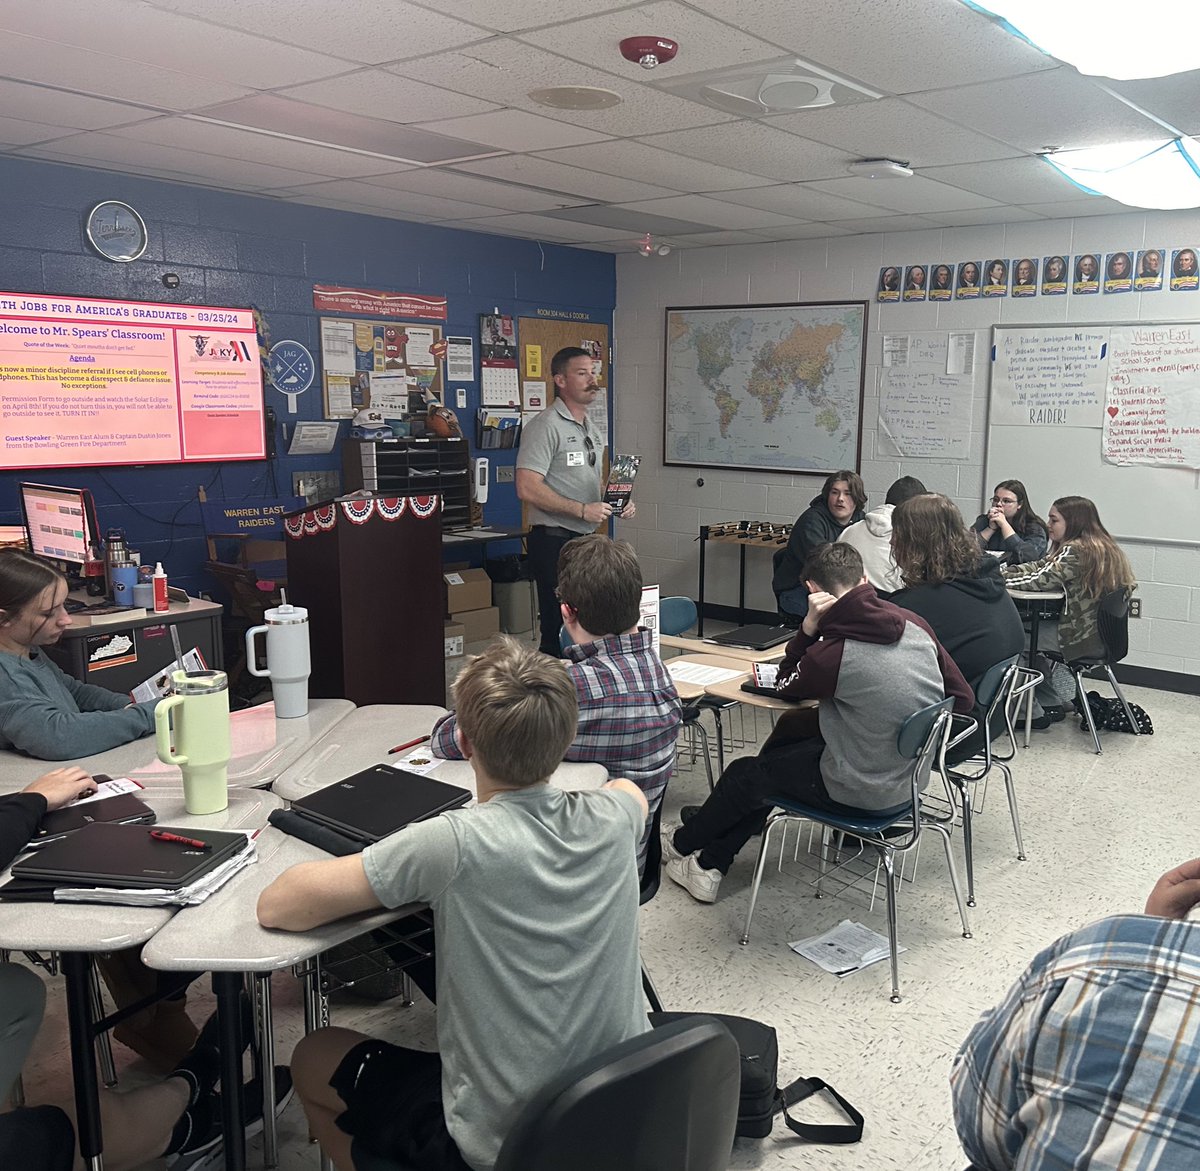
(1064, 397)
(539, 339)
(374, 363)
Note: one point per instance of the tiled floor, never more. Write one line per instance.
(1098, 831)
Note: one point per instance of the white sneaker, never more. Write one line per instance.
(669, 853)
(700, 883)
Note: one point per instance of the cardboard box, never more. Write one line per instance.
(467, 589)
(456, 639)
(481, 624)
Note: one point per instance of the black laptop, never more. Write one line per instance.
(756, 638)
(126, 856)
(121, 809)
(378, 801)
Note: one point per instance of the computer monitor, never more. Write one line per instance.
(61, 523)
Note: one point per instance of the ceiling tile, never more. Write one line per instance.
(982, 215)
(111, 153)
(804, 232)
(209, 139)
(540, 228)
(633, 160)
(1176, 99)
(1055, 108)
(900, 46)
(716, 239)
(916, 194)
(800, 200)
(38, 103)
(704, 43)
(896, 223)
(318, 124)
(439, 182)
(1023, 180)
(133, 31)
(513, 15)
(505, 71)
(621, 219)
(102, 75)
(892, 129)
(313, 200)
(369, 31)
(514, 130)
(757, 149)
(1087, 205)
(703, 210)
(18, 132)
(378, 93)
(539, 172)
(367, 194)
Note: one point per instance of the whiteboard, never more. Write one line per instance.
(1060, 455)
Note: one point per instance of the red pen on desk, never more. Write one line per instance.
(162, 835)
(409, 744)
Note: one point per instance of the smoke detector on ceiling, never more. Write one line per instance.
(781, 86)
(879, 169)
(649, 52)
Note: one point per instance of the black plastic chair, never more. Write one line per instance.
(666, 1100)
(923, 739)
(1112, 621)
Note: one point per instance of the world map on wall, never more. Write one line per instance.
(775, 387)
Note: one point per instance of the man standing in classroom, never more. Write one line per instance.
(559, 479)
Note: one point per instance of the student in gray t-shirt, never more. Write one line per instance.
(534, 894)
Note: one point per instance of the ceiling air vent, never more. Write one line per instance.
(769, 87)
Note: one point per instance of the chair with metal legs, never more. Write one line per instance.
(1000, 693)
(1112, 621)
(923, 739)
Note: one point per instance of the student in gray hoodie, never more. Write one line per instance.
(872, 537)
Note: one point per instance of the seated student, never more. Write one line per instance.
(1010, 527)
(534, 896)
(43, 711)
(1090, 1060)
(871, 665)
(872, 537)
(955, 587)
(179, 1117)
(1085, 563)
(839, 504)
(629, 711)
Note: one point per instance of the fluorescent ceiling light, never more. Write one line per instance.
(1107, 38)
(1140, 174)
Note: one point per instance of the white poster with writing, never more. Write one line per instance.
(924, 412)
(1152, 412)
(1049, 377)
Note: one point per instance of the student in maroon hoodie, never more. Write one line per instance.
(871, 665)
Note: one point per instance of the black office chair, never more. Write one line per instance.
(663, 1101)
(1112, 620)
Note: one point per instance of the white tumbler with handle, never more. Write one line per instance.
(288, 661)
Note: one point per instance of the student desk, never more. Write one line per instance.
(263, 747)
(79, 930)
(694, 690)
(363, 738)
(701, 646)
(222, 935)
(1034, 605)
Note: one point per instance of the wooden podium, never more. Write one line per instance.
(369, 572)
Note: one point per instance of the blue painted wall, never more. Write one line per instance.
(239, 250)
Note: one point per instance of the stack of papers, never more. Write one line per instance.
(847, 948)
(700, 674)
(184, 896)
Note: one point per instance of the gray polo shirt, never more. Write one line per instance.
(554, 445)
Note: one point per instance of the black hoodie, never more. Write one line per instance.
(972, 616)
(814, 526)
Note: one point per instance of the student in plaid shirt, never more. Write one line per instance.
(1092, 1059)
(629, 711)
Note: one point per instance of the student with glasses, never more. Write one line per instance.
(558, 479)
(1010, 528)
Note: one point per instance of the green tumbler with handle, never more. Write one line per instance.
(191, 729)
